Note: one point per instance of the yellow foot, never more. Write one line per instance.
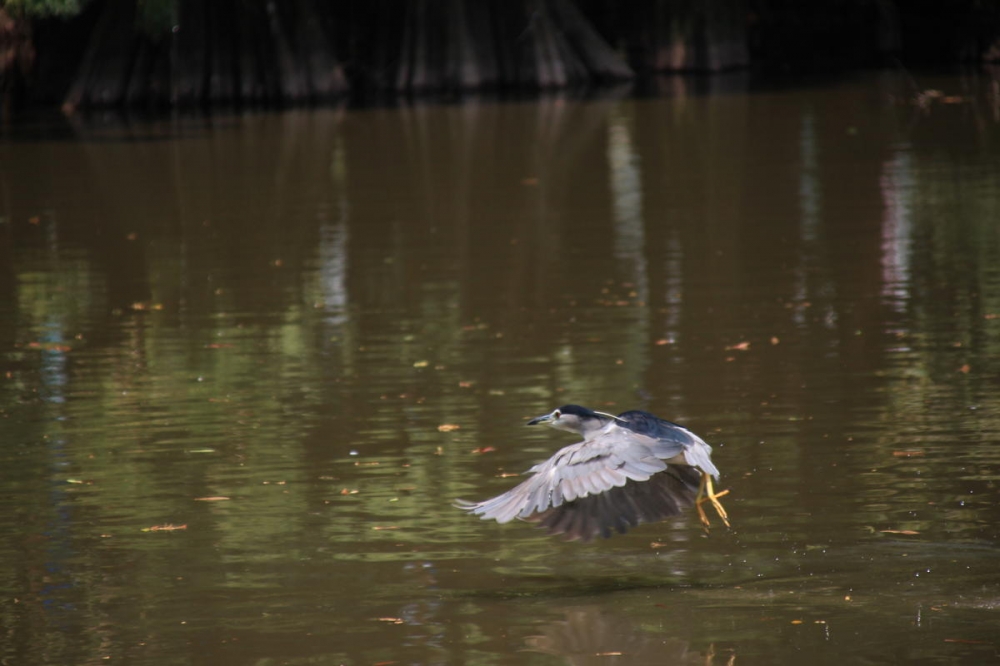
(706, 493)
(714, 499)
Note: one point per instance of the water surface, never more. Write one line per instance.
(229, 345)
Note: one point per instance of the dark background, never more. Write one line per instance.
(138, 53)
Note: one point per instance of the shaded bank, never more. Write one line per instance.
(253, 52)
(309, 50)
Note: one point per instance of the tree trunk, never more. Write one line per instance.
(324, 73)
(17, 57)
(189, 59)
(253, 51)
(686, 35)
(103, 75)
(221, 84)
(599, 58)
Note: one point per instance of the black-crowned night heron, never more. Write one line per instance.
(629, 469)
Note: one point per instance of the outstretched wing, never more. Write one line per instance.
(663, 496)
(581, 470)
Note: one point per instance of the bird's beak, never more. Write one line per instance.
(540, 419)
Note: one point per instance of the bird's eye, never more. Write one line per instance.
(556, 414)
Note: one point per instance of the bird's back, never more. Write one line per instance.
(651, 425)
(672, 438)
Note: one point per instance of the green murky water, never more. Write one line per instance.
(227, 345)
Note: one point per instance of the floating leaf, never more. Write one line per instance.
(216, 498)
(448, 427)
(49, 346)
(164, 528)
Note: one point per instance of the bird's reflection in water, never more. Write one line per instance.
(590, 635)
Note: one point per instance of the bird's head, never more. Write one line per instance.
(574, 418)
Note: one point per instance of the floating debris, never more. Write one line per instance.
(169, 527)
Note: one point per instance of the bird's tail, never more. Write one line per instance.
(700, 455)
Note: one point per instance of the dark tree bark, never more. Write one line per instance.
(274, 51)
(221, 84)
(224, 51)
(17, 56)
(471, 44)
(469, 68)
(253, 51)
(189, 78)
(294, 84)
(257, 79)
(687, 35)
(315, 36)
(600, 59)
(104, 70)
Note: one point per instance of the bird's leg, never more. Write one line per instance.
(699, 498)
(706, 493)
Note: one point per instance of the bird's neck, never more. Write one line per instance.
(596, 429)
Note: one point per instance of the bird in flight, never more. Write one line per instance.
(629, 469)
